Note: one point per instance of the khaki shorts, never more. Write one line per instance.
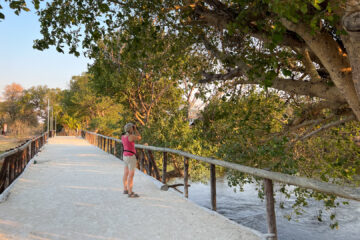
(130, 162)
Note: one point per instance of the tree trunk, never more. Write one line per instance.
(333, 59)
(351, 23)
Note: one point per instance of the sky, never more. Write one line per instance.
(22, 64)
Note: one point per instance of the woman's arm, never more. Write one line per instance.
(136, 136)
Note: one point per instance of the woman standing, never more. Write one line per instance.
(128, 141)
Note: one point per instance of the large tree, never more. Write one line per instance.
(306, 48)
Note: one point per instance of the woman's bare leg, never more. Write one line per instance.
(125, 178)
(131, 180)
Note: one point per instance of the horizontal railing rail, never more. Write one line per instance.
(109, 144)
(13, 162)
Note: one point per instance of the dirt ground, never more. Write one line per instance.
(7, 142)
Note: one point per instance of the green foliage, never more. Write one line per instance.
(242, 128)
(69, 123)
(83, 108)
(247, 130)
(331, 155)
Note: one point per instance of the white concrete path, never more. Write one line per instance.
(75, 192)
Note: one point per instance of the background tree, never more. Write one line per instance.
(17, 112)
(81, 107)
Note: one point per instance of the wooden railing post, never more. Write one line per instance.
(213, 186)
(12, 168)
(186, 177)
(114, 150)
(7, 172)
(154, 166)
(29, 153)
(141, 157)
(164, 167)
(122, 151)
(270, 208)
(149, 167)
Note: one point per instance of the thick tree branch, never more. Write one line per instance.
(317, 89)
(230, 75)
(321, 90)
(333, 59)
(310, 68)
(218, 18)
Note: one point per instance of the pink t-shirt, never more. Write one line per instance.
(130, 146)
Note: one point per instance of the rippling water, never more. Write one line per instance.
(247, 209)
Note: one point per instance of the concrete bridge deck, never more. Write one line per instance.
(75, 192)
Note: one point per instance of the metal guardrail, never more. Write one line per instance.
(15, 161)
(108, 144)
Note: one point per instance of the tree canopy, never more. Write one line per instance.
(308, 48)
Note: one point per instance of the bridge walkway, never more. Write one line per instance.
(75, 192)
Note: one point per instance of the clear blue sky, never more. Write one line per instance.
(22, 64)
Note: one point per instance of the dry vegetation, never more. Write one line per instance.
(8, 142)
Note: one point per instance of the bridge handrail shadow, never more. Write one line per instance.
(14, 161)
(110, 145)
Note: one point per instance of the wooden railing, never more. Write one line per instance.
(147, 163)
(15, 160)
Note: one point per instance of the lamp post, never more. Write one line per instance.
(48, 116)
(52, 118)
(55, 127)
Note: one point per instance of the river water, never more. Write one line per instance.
(247, 209)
